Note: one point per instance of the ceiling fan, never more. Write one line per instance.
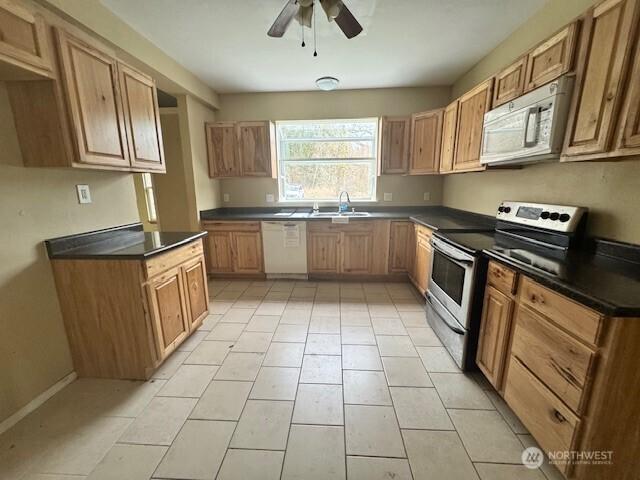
(302, 11)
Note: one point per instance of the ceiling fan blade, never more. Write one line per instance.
(348, 23)
(284, 19)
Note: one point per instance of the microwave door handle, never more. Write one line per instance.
(532, 111)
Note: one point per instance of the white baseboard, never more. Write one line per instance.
(7, 423)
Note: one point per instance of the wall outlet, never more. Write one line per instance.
(270, 198)
(426, 196)
(388, 197)
(84, 194)
(225, 197)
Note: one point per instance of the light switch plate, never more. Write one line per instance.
(84, 194)
(388, 197)
(426, 196)
(225, 197)
(270, 198)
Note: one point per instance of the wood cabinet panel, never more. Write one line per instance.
(394, 145)
(401, 247)
(552, 58)
(24, 49)
(256, 149)
(422, 262)
(509, 83)
(604, 52)
(502, 278)
(169, 311)
(472, 107)
(195, 279)
(323, 255)
(553, 356)
(219, 252)
(222, 146)
(426, 138)
(91, 84)
(551, 423)
(356, 251)
(495, 327)
(142, 119)
(449, 124)
(247, 252)
(628, 138)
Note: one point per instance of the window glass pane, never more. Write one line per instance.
(318, 159)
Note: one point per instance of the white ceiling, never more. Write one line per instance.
(404, 43)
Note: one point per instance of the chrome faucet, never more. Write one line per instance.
(343, 206)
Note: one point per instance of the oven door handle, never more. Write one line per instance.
(457, 330)
(450, 253)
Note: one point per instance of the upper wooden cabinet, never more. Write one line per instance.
(551, 59)
(607, 46)
(98, 113)
(471, 109)
(509, 82)
(142, 119)
(426, 138)
(449, 123)
(394, 145)
(241, 149)
(24, 49)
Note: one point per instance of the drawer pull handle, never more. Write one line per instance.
(537, 298)
(559, 416)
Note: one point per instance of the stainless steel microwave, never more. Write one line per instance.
(528, 129)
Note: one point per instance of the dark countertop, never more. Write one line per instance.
(126, 242)
(434, 217)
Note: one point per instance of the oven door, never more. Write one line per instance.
(451, 280)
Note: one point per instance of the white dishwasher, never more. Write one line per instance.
(285, 249)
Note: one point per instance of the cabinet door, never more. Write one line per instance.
(604, 51)
(422, 264)
(247, 252)
(323, 255)
(195, 280)
(426, 137)
(494, 334)
(256, 149)
(472, 107)
(168, 310)
(394, 141)
(91, 86)
(401, 247)
(509, 83)
(447, 152)
(24, 50)
(222, 149)
(356, 248)
(142, 119)
(628, 141)
(551, 59)
(219, 252)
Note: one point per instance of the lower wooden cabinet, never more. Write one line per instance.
(234, 248)
(323, 256)
(401, 247)
(357, 252)
(124, 317)
(422, 259)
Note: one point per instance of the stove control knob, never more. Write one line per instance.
(500, 209)
(507, 209)
(565, 217)
(554, 216)
(544, 215)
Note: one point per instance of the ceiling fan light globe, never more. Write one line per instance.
(305, 3)
(304, 16)
(327, 83)
(331, 8)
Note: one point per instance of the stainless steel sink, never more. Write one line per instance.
(340, 214)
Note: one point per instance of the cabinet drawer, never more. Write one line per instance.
(423, 232)
(231, 226)
(556, 358)
(551, 423)
(577, 319)
(160, 263)
(502, 278)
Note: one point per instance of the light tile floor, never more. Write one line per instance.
(284, 380)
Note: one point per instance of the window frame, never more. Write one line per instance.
(374, 161)
(149, 197)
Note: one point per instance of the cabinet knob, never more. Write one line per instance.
(559, 416)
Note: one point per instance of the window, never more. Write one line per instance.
(150, 199)
(317, 159)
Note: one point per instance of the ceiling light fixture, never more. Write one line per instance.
(327, 83)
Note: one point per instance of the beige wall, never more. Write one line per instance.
(36, 204)
(609, 189)
(337, 104)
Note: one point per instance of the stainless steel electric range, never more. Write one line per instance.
(458, 270)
